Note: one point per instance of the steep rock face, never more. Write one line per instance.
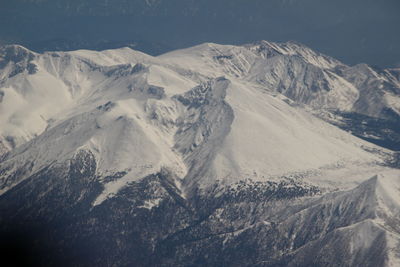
(304, 82)
(378, 90)
(359, 245)
(369, 91)
(204, 128)
(16, 59)
(269, 49)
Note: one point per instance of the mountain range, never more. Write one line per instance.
(264, 154)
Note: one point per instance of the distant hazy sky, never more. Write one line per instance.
(353, 31)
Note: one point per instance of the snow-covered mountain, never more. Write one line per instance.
(239, 142)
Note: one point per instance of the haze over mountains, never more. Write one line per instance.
(253, 155)
(358, 31)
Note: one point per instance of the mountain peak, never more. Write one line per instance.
(269, 49)
(15, 53)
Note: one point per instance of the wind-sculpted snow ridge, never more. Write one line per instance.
(218, 144)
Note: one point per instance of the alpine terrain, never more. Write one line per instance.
(265, 154)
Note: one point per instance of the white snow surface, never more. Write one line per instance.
(124, 107)
(385, 202)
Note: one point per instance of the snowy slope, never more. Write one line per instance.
(56, 83)
(139, 114)
(361, 220)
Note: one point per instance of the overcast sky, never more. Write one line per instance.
(353, 31)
